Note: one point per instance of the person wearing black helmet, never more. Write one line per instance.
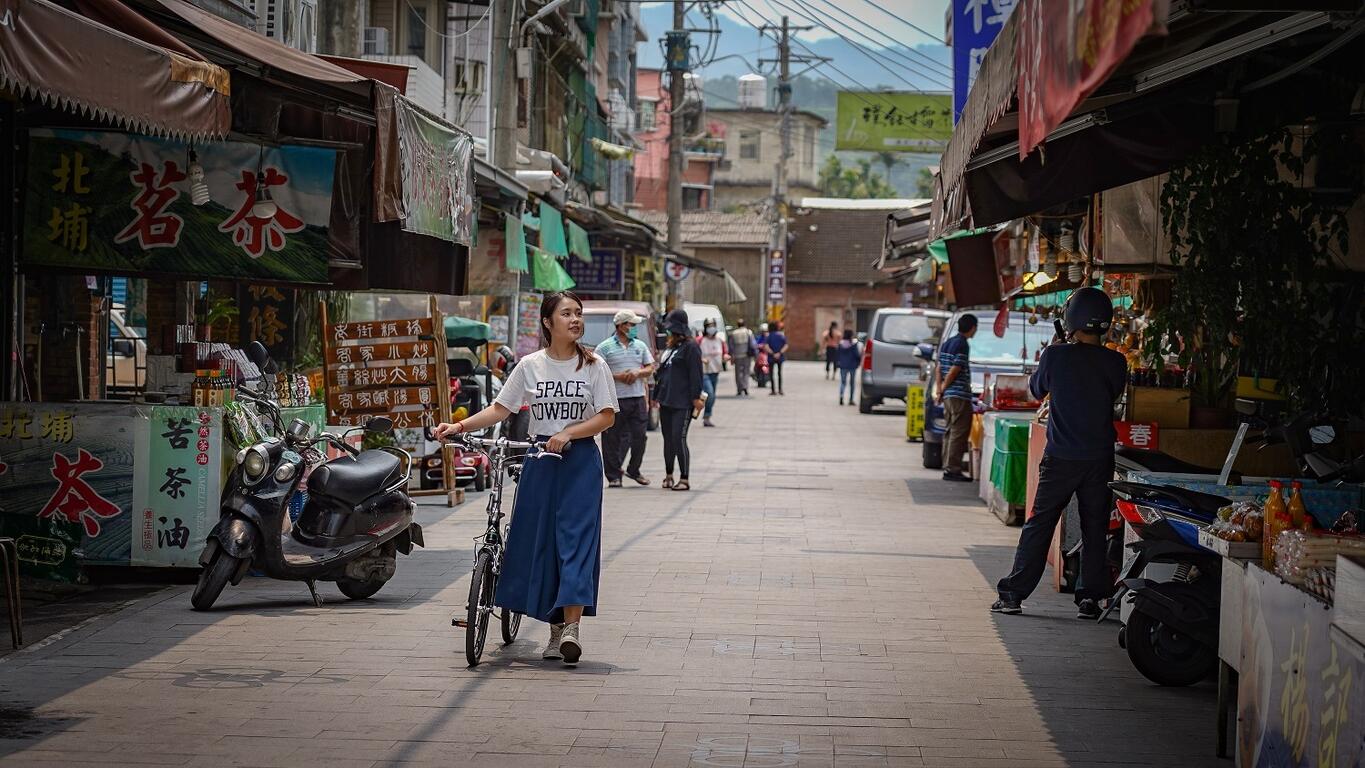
(1082, 380)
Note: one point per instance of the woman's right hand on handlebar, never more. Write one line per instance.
(444, 430)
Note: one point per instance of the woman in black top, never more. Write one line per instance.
(679, 394)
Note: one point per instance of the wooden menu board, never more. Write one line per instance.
(394, 368)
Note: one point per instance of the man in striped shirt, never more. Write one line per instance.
(955, 395)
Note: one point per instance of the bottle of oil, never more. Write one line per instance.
(1276, 522)
(199, 389)
(1298, 512)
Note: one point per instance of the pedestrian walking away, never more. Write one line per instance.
(777, 347)
(631, 365)
(742, 350)
(1081, 381)
(554, 552)
(955, 395)
(714, 355)
(679, 395)
(847, 358)
(830, 341)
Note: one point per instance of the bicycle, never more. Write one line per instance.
(488, 559)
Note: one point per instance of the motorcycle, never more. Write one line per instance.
(357, 519)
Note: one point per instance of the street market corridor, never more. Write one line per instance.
(817, 599)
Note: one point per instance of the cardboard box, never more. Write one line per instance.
(1168, 407)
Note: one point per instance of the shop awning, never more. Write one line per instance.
(65, 59)
(907, 233)
(464, 332)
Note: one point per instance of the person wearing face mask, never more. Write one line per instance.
(714, 355)
(631, 365)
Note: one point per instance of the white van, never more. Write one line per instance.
(698, 314)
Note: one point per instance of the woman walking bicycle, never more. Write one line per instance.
(553, 560)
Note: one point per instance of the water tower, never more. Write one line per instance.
(753, 92)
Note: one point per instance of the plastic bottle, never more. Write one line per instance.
(1276, 522)
(1298, 512)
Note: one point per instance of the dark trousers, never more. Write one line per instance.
(627, 435)
(1058, 481)
(674, 423)
(775, 379)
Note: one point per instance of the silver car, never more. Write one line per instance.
(894, 353)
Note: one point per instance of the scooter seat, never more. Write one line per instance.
(353, 480)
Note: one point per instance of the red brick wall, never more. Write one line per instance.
(803, 299)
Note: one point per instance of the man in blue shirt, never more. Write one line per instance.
(631, 365)
(955, 395)
(1082, 380)
(777, 353)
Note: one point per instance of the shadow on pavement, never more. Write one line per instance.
(1094, 704)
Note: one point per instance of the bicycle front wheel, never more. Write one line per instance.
(480, 607)
(511, 624)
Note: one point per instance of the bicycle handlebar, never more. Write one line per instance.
(485, 444)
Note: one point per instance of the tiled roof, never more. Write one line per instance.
(840, 249)
(714, 227)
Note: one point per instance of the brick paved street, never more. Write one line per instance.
(818, 599)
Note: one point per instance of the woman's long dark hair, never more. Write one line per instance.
(548, 306)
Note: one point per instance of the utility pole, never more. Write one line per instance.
(504, 82)
(676, 48)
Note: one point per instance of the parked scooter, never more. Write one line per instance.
(357, 519)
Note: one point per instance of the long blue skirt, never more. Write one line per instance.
(554, 550)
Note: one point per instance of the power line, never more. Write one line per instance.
(895, 44)
(859, 47)
(908, 23)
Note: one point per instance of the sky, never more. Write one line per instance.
(892, 55)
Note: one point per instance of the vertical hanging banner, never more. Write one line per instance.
(528, 324)
(777, 285)
(176, 496)
(975, 25)
(438, 176)
(1067, 50)
(127, 203)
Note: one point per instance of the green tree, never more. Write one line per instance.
(859, 182)
(924, 183)
(889, 161)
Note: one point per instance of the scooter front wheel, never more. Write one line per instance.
(212, 579)
(480, 607)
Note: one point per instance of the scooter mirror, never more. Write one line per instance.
(379, 425)
(1323, 435)
(257, 353)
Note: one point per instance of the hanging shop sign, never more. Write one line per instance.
(1067, 50)
(647, 280)
(528, 324)
(178, 485)
(975, 26)
(677, 271)
(488, 273)
(777, 285)
(438, 176)
(1144, 436)
(606, 272)
(122, 202)
(895, 122)
(393, 368)
(266, 314)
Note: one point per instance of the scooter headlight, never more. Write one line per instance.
(255, 463)
(286, 471)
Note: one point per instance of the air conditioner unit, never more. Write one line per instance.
(466, 77)
(375, 41)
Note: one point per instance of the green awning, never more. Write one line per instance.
(514, 236)
(464, 332)
(547, 272)
(578, 243)
(552, 230)
(938, 249)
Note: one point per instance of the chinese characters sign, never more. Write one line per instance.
(267, 316)
(604, 274)
(1144, 436)
(975, 25)
(117, 201)
(896, 122)
(438, 184)
(777, 285)
(384, 368)
(179, 482)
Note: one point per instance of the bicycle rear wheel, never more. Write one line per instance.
(480, 607)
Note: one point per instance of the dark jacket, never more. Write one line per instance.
(1084, 380)
(846, 355)
(679, 378)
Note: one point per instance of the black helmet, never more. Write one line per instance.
(1088, 309)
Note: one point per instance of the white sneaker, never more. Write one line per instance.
(552, 650)
(569, 646)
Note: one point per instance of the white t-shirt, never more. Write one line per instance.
(560, 394)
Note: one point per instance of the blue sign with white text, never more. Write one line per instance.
(975, 25)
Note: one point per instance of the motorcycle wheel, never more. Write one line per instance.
(359, 590)
(1165, 656)
(511, 624)
(212, 579)
(479, 608)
